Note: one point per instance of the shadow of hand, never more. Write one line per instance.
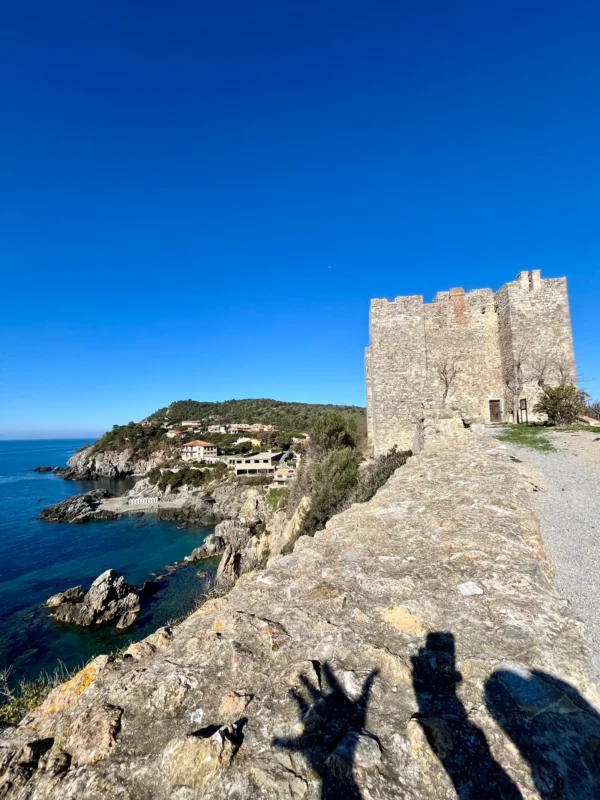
(332, 726)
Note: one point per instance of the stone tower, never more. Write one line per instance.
(480, 353)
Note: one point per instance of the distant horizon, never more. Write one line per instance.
(45, 438)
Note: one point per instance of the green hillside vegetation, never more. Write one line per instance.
(142, 439)
(331, 474)
(186, 476)
(288, 417)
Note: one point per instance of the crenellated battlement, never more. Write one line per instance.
(461, 351)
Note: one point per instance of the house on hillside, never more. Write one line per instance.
(173, 433)
(199, 451)
(258, 464)
(192, 423)
(253, 442)
(282, 476)
(238, 427)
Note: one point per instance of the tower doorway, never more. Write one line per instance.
(495, 411)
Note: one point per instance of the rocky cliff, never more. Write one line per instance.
(416, 648)
(90, 464)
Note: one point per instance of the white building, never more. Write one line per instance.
(198, 451)
(259, 464)
(242, 439)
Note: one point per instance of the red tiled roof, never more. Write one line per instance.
(199, 444)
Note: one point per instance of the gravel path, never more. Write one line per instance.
(565, 488)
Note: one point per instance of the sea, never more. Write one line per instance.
(38, 559)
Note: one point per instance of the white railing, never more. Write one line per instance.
(142, 501)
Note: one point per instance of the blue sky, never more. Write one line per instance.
(199, 199)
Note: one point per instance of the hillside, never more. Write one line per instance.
(285, 416)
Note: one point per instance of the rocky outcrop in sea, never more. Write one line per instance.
(109, 600)
(91, 464)
(80, 508)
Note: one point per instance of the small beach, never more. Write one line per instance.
(38, 559)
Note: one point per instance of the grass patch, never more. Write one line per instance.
(276, 498)
(527, 436)
(16, 701)
(577, 428)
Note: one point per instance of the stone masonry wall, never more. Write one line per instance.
(396, 371)
(477, 338)
(461, 333)
(536, 333)
(416, 648)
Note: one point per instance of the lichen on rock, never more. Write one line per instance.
(351, 667)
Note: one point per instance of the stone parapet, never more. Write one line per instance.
(416, 648)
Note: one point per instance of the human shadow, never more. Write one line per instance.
(554, 728)
(333, 727)
(458, 743)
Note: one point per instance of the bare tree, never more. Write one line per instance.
(539, 368)
(448, 369)
(514, 379)
(564, 370)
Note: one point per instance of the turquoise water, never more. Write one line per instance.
(38, 559)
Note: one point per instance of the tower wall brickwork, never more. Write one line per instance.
(536, 343)
(478, 353)
(396, 371)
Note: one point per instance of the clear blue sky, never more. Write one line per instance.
(199, 199)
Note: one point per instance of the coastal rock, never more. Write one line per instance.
(80, 508)
(44, 469)
(212, 546)
(90, 464)
(234, 532)
(200, 509)
(110, 599)
(74, 595)
(352, 667)
(283, 541)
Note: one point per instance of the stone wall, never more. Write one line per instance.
(462, 343)
(462, 351)
(536, 336)
(416, 648)
(396, 371)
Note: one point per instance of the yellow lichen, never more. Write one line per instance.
(401, 618)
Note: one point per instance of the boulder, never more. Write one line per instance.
(73, 595)
(44, 469)
(110, 599)
(80, 508)
(234, 532)
(212, 546)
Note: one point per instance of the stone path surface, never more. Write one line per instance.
(566, 496)
(416, 648)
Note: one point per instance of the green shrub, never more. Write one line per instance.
(334, 479)
(377, 473)
(563, 405)
(276, 498)
(333, 432)
(18, 700)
